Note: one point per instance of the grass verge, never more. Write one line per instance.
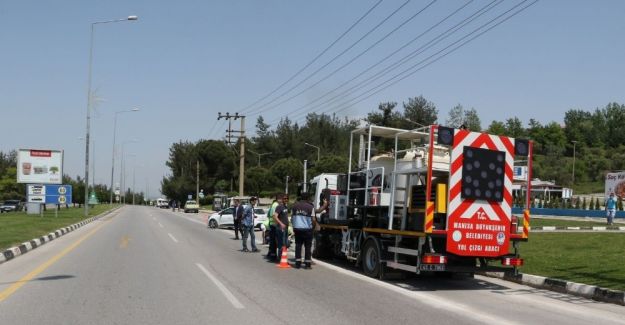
(18, 227)
(595, 259)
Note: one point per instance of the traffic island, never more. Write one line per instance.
(23, 248)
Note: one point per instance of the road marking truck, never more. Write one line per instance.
(432, 199)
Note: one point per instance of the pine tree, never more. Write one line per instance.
(577, 205)
(592, 204)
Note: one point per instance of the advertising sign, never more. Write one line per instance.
(615, 183)
(36, 190)
(39, 166)
(36, 198)
(520, 173)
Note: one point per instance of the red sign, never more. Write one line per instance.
(479, 235)
(41, 153)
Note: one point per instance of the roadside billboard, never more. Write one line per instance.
(39, 166)
(615, 183)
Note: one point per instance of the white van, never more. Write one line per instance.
(162, 203)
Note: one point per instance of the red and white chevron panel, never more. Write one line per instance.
(479, 227)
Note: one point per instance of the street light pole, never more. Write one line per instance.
(259, 155)
(574, 142)
(121, 171)
(318, 149)
(114, 136)
(87, 136)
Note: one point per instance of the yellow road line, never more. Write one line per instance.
(123, 243)
(10, 290)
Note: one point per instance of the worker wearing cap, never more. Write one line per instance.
(248, 225)
(303, 217)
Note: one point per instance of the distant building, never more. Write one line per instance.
(545, 190)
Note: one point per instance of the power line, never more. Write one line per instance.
(439, 38)
(212, 130)
(347, 104)
(315, 59)
(351, 60)
(333, 59)
(386, 58)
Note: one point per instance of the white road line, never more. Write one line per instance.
(160, 225)
(233, 300)
(173, 238)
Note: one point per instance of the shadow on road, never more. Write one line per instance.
(45, 278)
(427, 282)
(549, 294)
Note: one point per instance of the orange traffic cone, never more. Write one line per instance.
(284, 260)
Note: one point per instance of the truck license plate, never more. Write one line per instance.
(432, 267)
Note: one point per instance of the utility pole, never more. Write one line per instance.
(241, 144)
(197, 182)
(259, 155)
(305, 168)
(574, 143)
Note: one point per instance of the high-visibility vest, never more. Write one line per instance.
(270, 213)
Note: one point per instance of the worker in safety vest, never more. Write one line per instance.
(271, 225)
(303, 219)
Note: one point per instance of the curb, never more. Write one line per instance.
(10, 253)
(595, 228)
(562, 286)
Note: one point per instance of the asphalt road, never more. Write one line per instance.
(144, 265)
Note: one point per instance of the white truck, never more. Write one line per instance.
(439, 200)
(162, 203)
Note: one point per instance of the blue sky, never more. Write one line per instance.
(184, 61)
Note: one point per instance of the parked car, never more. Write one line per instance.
(11, 205)
(225, 218)
(191, 206)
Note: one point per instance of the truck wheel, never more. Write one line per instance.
(371, 262)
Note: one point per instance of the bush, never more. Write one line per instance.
(592, 204)
(584, 204)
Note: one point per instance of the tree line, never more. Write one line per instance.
(273, 153)
(598, 137)
(11, 190)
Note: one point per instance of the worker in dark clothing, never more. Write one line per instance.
(281, 221)
(237, 215)
(303, 218)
